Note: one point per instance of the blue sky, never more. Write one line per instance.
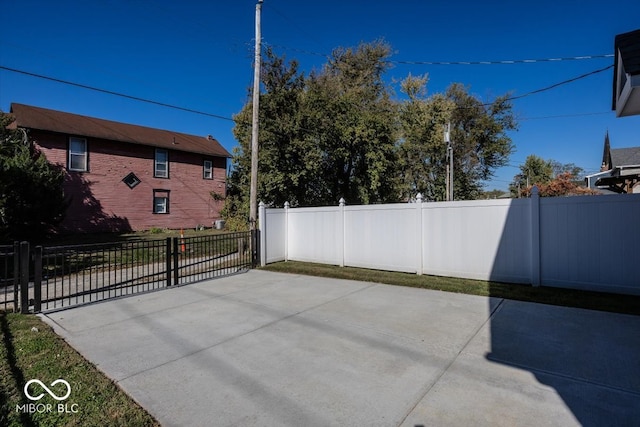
(198, 55)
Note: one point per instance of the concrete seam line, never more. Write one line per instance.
(566, 376)
(266, 325)
(453, 360)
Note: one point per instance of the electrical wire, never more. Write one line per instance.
(221, 117)
(110, 92)
(500, 62)
(553, 86)
(505, 62)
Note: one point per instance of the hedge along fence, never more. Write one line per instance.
(581, 242)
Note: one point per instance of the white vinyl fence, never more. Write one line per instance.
(586, 242)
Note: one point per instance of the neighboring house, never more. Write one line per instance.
(626, 74)
(126, 177)
(620, 170)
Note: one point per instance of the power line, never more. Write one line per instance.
(217, 116)
(500, 62)
(122, 95)
(559, 116)
(553, 86)
(505, 62)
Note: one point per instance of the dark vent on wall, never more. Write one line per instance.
(131, 180)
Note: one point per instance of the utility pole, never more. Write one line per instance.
(253, 192)
(451, 171)
(449, 166)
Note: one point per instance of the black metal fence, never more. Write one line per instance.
(9, 269)
(50, 278)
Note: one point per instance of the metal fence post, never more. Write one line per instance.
(176, 262)
(168, 260)
(255, 254)
(24, 277)
(16, 275)
(37, 279)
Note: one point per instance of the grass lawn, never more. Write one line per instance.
(31, 350)
(556, 296)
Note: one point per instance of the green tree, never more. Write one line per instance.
(288, 162)
(422, 148)
(353, 122)
(322, 137)
(478, 135)
(479, 138)
(32, 201)
(338, 133)
(563, 168)
(552, 178)
(534, 171)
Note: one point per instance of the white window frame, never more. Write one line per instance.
(159, 173)
(207, 169)
(77, 154)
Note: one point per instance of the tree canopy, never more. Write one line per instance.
(552, 178)
(478, 135)
(339, 132)
(31, 195)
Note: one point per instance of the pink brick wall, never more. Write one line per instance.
(101, 201)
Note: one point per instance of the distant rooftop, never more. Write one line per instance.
(625, 156)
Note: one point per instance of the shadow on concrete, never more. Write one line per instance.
(589, 359)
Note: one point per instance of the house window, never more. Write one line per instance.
(77, 154)
(131, 180)
(207, 170)
(160, 201)
(161, 164)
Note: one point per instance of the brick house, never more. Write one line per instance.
(122, 177)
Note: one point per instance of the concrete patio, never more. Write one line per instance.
(273, 349)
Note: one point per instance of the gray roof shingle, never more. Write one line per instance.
(625, 156)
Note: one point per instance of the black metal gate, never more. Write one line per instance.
(9, 268)
(51, 278)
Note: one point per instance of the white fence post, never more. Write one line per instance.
(343, 231)
(286, 231)
(419, 230)
(262, 227)
(535, 236)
